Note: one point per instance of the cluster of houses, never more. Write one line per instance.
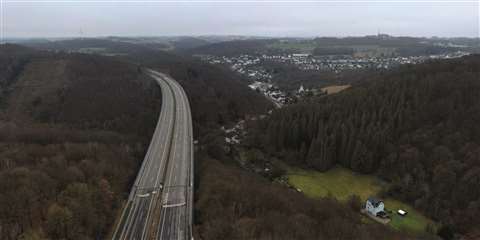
(251, 65)
(247, 65)
(278, 97)
(234, 134)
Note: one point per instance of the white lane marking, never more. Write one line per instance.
(163, 156)
(176, 217)
(144, 170)
(175, 229)
(186, 120)
(132, 217)
(147, 160)
(170, 173)
(184, 157)
(174, 205)
(185, 151)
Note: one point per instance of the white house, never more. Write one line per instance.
(301, 89)
(374, 206)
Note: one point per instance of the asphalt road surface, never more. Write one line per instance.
(161, 201)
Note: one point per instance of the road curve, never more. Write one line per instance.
(160, 203)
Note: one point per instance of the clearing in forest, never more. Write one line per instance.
(340, 183)
(335, 89)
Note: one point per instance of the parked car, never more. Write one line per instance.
(402, 213)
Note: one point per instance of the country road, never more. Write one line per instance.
(161, 201)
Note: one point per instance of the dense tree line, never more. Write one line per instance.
(416, 127)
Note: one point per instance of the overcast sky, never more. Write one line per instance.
(65, 19)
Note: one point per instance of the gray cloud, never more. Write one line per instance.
(57, 19)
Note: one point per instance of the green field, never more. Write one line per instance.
(366, 50)
(341, 183)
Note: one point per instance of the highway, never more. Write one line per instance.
(160, 204)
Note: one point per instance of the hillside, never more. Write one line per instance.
(185, 43)
(375, 45)
(216, 94)
(77, 90)
(89, 45)
(415, 127)
(73, 130)
(235, 204)
(13, 59)
(79, 124)
(229, 48)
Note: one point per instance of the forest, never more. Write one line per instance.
(415, 127)
(233, 203)
(217, 95)
(74, 130)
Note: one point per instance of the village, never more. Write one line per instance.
(252, 67)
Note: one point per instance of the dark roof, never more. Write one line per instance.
(374, 201)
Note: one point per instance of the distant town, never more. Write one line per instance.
(252, 67)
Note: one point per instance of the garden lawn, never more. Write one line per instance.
(413, 222)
